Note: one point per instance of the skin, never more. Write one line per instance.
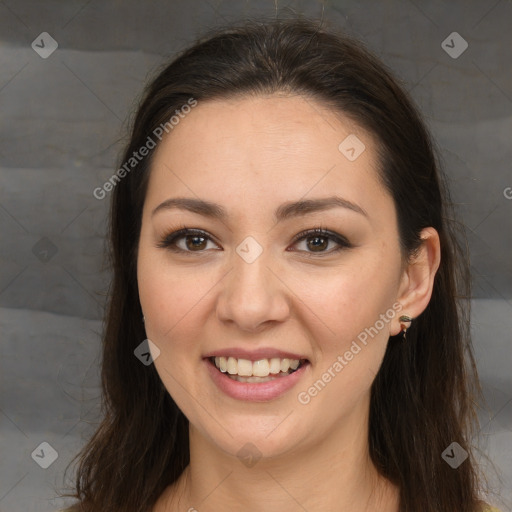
(250, 155)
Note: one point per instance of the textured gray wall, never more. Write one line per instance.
(62, 124)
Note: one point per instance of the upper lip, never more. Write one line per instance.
(253, 355)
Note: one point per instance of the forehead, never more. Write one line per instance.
(256, 150)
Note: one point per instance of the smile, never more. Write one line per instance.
(260, 380)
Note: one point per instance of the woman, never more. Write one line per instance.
(281, 234)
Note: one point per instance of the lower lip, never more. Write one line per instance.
(252, 391)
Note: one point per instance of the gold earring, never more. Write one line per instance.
(405, 323)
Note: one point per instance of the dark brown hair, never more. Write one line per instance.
(422, 397)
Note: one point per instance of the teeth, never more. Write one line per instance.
(232, 366)
(275, 365)
(260, 368)
(244, 367)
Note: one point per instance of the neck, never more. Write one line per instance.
(335, 474)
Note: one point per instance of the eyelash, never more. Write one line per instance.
(169, 241)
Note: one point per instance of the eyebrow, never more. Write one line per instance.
(283, 212)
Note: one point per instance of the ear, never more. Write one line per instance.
(417, 279)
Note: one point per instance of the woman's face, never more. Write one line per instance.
(245, 288)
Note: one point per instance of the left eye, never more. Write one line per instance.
(318, 240)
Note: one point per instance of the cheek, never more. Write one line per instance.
(352, 305)
(361, 315)
(175, 302)
(170, 299)
(166, 295)
(351, 299)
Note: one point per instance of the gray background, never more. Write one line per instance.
(63, 123)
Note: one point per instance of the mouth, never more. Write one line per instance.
(259, 371)
(238, 378)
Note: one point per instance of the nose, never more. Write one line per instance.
(252, 295)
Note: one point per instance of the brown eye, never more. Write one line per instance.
(194, 242)
(186, 241)
(317, 241)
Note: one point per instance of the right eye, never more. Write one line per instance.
(186, 240)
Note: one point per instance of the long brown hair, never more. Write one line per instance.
(421, 399)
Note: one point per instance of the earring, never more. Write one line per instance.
(405, 323)
(143, 318)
